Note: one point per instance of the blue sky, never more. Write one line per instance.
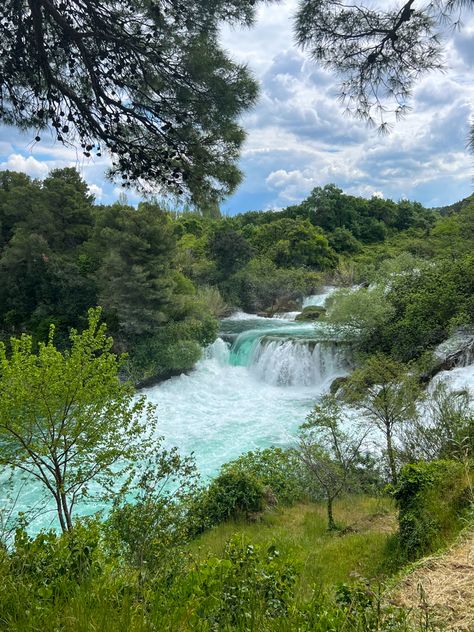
(299, 138)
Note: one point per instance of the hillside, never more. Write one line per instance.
(442, 586)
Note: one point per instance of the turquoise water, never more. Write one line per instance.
(252, 389)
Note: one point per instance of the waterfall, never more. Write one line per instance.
(296, 357)
(318, 300)
(298, 362)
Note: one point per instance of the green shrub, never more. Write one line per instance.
(176, 346)
(243, 591)
(232, 494)
(279, 471)
(431, 498)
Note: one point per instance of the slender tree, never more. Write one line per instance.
(329, 453)
(387, 394)
(67, 420)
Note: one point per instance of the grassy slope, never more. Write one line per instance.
(321, 558)
(442, 585)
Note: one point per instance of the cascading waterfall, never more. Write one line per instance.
(298, 362)
(319, 300)
(300, 355)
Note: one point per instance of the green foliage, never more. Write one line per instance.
(366, 310)
(150, 530)
(230, 250)
(426, 302)
(342, 240)
(55, 565)
(134, 279)
(175, 347)
(42, 228)
(277, 470)
(293, 243)
(60, 255)
(431, 498)
(411, 306)
(81, 580)
(66, 419)
(386, 393)
(234, 493)
(212, 298)
(261, 285)
(328, 453)
(246, 588)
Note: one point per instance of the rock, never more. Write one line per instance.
(456, 351)
(336, 385)
(312, 312)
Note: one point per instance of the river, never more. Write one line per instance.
(252, 389)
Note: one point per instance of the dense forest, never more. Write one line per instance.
(164, 278)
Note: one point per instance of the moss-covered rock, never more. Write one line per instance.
(337, 384)
(313, 312)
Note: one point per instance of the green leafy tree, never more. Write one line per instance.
(44, 227)
(342, 240)
(328, 452)
(429, 302)
(67, 420)
(229, 249)
(135, 279)
(366, 310)
(146, 81)
(65, 194)
(329, 208)
(387, 395)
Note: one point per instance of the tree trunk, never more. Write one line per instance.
(61, 501)
(67, 513)
(331, 523)
(391, 456)
(59, 508)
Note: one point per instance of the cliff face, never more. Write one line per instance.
(455, 352)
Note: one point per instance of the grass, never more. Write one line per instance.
(300, 534)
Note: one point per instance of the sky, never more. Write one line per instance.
(298, 136)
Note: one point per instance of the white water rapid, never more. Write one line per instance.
(253, 388)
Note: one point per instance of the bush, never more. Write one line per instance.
(431, 498)
(175, 347)
(279, 471)
(233, 494)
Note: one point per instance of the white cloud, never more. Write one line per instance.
(96, 191)
(29, 165)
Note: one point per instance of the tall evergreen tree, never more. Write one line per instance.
(145, 80)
